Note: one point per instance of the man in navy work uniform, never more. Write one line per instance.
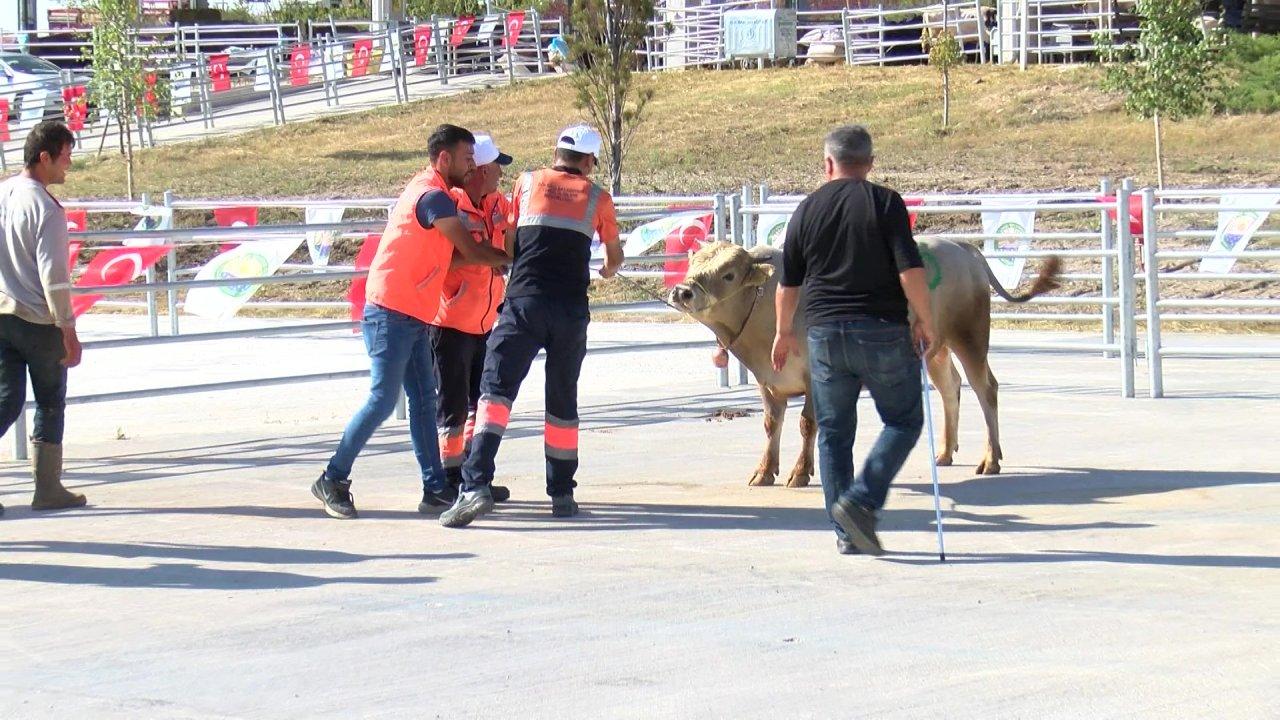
(850, 245)
(555, 213)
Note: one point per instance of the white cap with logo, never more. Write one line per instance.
(487, 151)
(579, 138)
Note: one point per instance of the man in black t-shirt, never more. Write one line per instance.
(849, 245)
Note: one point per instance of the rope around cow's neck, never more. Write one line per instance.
(743, 328)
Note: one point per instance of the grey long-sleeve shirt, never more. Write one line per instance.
(35, 279)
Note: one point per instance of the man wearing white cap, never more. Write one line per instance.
(555, 213)
(468, 309)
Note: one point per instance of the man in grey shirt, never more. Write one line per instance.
(37, 328)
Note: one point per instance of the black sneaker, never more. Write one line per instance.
(563, 506)
(336, 496)
(859, 523)
(499, 493)
(434, 502)
(845, 547)
(468, 507)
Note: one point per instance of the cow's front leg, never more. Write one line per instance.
(802, 473)
(775, 410)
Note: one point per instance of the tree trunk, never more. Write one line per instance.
(126, 126)
(946, 99)
(1159, 154)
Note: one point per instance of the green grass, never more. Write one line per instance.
(1253, 70)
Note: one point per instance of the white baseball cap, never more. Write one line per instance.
(579, 138)
(487, 151)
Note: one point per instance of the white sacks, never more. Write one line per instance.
(1236, 228)
(258, 258)
(1017, 223)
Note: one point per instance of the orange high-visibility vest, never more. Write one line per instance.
(408, 272)
(472, 293)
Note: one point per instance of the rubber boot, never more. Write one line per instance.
(46, 464)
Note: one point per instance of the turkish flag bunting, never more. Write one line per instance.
(361, 51)
(75, 107)
(149, 97)
(911, 217)
(219, 73)
(114, 266)
(243, 216)
(77, 220)
(460, 28)
(515, 22)
(681, 240)
(1135, 213)
(421, 44)
(73, 252)
(4, 120)
(300, 65)
(363, 260)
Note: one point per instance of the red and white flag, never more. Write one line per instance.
(461, 27)
(242, 216)
(77, 221)
(300, 65)
(361, 51)
(421, 44)
(515, 23)
(219, 73)
(363, 260)
(75, 107)
(4, 120)
(114, 266)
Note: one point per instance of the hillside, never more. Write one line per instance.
(1046, 128)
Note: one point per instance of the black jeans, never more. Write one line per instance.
(36, 349)
(459, 362)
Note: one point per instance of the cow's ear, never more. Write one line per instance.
(759, 274)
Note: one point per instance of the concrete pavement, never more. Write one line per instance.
(1123, 566)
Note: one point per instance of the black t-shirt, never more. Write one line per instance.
(846, 244)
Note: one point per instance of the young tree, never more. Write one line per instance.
(1170, 72)
(945, 52)
(120, 65)
(604, 45)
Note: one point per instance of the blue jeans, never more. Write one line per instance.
(28, 348)
(843, 358)
(400, 351)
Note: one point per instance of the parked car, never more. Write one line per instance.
(20, 74)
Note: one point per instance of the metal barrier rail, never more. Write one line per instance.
(1167, 202)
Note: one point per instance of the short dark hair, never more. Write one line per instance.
(445, 137)
(572, 157)
(849, 145)
(50, 136)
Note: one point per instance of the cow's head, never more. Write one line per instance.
(718, 273)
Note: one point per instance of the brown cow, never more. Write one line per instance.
(731, 291)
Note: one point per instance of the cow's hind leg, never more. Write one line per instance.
(802, 473)
(983, 382)
(775, 410)
(946, 378)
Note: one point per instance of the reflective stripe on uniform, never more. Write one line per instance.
(492, 414)
(561, 438)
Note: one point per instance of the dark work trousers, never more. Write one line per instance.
(459, 362)
(525, 326)
(27, 347)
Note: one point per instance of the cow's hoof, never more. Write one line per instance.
(798, 480)
(943, 461)
(761, 478)
(989, 467)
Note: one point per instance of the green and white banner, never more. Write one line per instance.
(259, 258)
(1018, 225)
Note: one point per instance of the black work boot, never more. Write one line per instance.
(563, 506)
(336, 496)
(469, 506)
(435, 502)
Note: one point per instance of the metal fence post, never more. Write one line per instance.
(206, 101)
(844, 32)
(1109, 267)
(719, 221)
(737, 228)
(880, 29)
(745, 222)
(442, 63)
(153, 310)
(1128, 329)
(1023, 31)
(171, 273)
(511, 50)
(398, 46)
(981, 27)
(273, 86)
(1155, 369)
(537, 39)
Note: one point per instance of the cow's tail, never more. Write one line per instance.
(1047, 279)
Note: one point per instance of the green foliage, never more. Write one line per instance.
(1252, 69)
(300, 11)
(945, 52)
(604, 44)
(1171, 70)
